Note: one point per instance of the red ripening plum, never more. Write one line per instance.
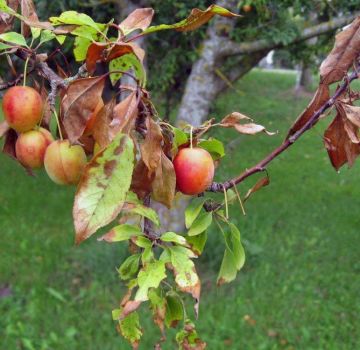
(31, 146)
(23, 108)
(194, 168)
(64, 163)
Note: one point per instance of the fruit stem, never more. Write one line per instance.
(226, 204)
(58, 124)
(25, 70)
(239, 198)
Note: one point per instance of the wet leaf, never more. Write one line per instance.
(196, 19)
(164, 183)
(260, 184)
(103, 187)
(80, 101)
(200, 224)
(342, 56)
(151, 148)
(121, 233)
(149, 276)
(138, 19)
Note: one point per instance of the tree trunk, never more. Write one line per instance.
(306, 78)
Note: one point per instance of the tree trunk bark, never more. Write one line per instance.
(306, 78)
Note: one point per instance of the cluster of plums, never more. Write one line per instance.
(64, 163)
(35, 146)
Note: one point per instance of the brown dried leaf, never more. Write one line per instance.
(260, 184)
(341, 149)
(101, 130)
(151, 147)
(234, 119)
(138, 19)
(352, 113)
(142, 180)
(342, 56)
(6, 20)
(125, 114)
(163, 186)
(47, 109)
(9, 144)
(80, 101)
(29, 12)
(129, 307)
(4, 127)
(320, 97)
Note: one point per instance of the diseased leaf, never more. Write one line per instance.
(196, 19)
(102, 120)
(234, 119)
(138, 19)
(200, 224)
(197, 243)
(260, 184)
(14, 38)
(80, 101)
(130, 329)
(142, 180)
(188, 338)
(322, 94)
(158, 307)
(129, 267)
(214, 147)
(121, 233)
(103, 187)
(342, 56)
(73, 17)
(149, 276)
(174, 310)
(173, 237)
(151, 148)
(125, 114)
(193, 210)
(164, 183)
(29, 12)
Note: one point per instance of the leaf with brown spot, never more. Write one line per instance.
(103, 187)
(340, 148)
(164, 184)
(260, 184)
(101, 129)
(188, 338)
(158, 307)
(138, 19)
(142, 180)
(80, 101)
(29, 12)
(320, 97)
(342, 56)
(234, 119)
(124, 116)
(151, 147)
(4, 127)
(129, 307)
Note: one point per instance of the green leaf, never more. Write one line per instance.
(197, 243)
(35, 32)
(4, 46)
(130, 329)
(142, 242)
(73, 17)
(5, 8)
(193, 211)
(173, 237)
(103, 187)
(201, 223)
(129, 267)
(234, 256)
(174, 310)
(81, 46)
(196, 19)
(46, 35)
(86, 33)
(125, 63)
(121, 233)
(149, 277)
(141, 209)
(14, 38)
(147, 255)
(214, 147)
(61, 39)
(115, 314)
(180, 137)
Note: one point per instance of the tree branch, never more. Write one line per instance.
(259, 167)
(231, 48)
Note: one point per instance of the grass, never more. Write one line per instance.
(298, 289)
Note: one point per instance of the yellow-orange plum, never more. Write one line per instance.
(64, 163)
(23, 108)
(194, 168)
(31, 146)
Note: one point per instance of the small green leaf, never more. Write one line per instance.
(140, 209)
(4, 46)
(129, 267)
(193, 211)
(46, 35)
(174, 310)
(116, 314)
(214, 147)
(197, 243)
(180, 137)
(142, 242)
(173, 237)
(202, 222)
(147, 255)
(149, 277)
(35, 32)
(5, 8)
(14, 38)
(61, 39)
(81, 46)
(73, 17)
(121, 233)
(130, 329)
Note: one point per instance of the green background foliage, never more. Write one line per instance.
(298, 287)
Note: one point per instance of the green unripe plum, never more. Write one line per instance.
(64, 163)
